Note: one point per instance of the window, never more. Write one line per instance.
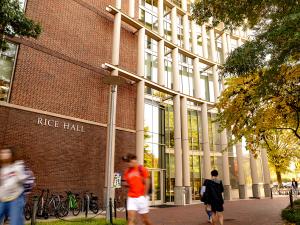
(154, 128)
(177, 2)
(180, 30)
(167, 23)
(7, 62)
(148, 14)
(186, 75)
(23, 4)
(151, 59)
(168, 68)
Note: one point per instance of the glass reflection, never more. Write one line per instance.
(7, 62)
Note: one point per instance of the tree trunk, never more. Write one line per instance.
(279, 180)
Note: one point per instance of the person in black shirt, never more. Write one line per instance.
(213, 192)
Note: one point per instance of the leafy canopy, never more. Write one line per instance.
(14, 22)
(263, 75)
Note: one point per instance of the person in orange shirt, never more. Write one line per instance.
(137, 179)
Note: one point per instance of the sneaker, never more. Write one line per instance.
(210, 219)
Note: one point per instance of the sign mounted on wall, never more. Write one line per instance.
(68, 126)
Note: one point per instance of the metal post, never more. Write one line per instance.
(115, 207)
(111, 136)
(291, 199)
(110, 211)
(271, 193)
(126, 212)
(34, 210)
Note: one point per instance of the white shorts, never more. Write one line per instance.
(140, 204)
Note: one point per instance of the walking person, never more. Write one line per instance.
(11, 187)
(214, 189)
(203, 197)
(137, 179)
(295, 187)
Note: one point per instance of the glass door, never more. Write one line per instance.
(156, 176)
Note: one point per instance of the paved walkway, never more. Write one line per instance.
(243, 212)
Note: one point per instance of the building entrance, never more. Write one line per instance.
(157, 182)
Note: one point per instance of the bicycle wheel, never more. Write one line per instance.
(94, 207)
(27, 211)
(76, 210)
(62, 210)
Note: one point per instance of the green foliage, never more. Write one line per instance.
(264, 73)
(14, 22)
(292, 215)
(282, 148)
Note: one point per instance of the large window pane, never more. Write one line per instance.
(7, 61)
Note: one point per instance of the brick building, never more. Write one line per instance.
(54, 103)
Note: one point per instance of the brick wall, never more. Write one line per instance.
(61, 159)
(60, 72)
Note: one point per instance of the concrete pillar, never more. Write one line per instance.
(160, 17)
(116, 39)
(118, 4)
(131, 8)
(185, 151)
(140, 98)
(196, 78)
(161, 45)
(111, 126)
(266, 172)
(186, 33)
(254, 176)
(141, 53)
(179, 190)
(240, 43)
(226, 174)
(224, 45)
(228, 43)
(175, 69)
(213, 44)
(184, 5)
(241, 174)
(224, 144)
(194, 38)
(174, 25)
(204, 41)
(206, 150)
(216, 82)
(140, 102)
(161, 63)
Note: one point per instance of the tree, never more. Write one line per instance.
(264, 74)
(248, 114)
(14, 22)
(282, 148)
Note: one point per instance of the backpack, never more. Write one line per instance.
(150, 183)
(29, 182)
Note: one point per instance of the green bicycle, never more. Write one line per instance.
(73, 203)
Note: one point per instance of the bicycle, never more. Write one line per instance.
(73, 203)
(55, 206)
(92, 202)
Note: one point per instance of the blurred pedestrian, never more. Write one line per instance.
(11, 187)
(203, 197)
(295, 188)
(137, 180)
(214, 190)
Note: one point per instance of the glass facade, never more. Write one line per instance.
(170, 158)
(7, 62)
(186, 75)
(148, 13)
(159, 111)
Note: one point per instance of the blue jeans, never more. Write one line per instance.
(14, 210)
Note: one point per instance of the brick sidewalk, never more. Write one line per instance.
(244, 212)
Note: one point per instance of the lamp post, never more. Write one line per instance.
(113, 81)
